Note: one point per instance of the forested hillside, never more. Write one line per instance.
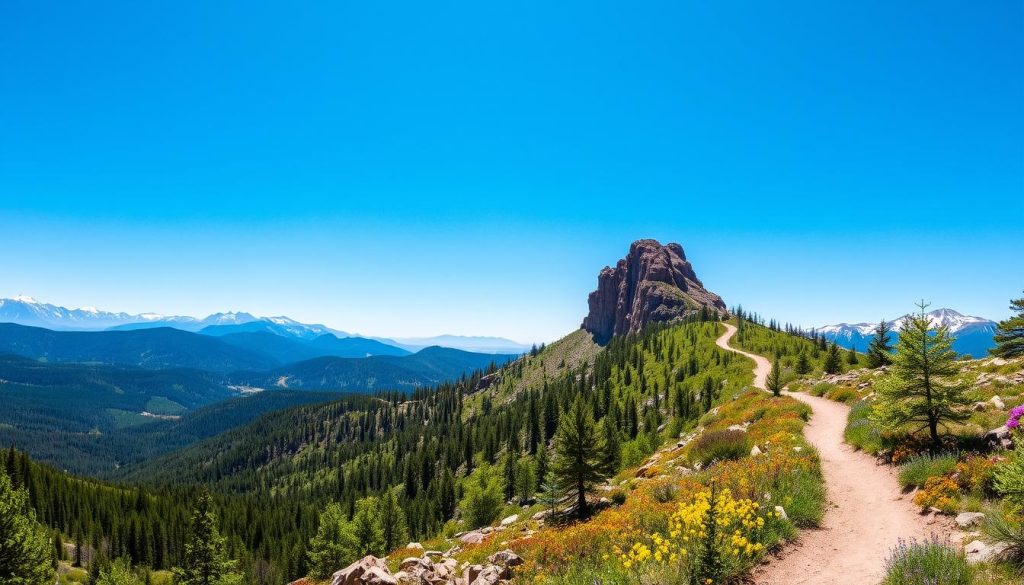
(430, 448)
(424, 368)
(73, 433)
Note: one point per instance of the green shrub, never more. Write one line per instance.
(484, 500)
(821, 389)
(1002, 529)
(1009, 478)
(844, 395)
(917, 471)
(804, 497)
(929, 562)
(860, 431)
(719, 446)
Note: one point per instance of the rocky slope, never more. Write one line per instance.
(653, 283)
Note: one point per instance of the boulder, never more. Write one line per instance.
(998, 403)
(432, 553)
(505, 558)
(474, 537)
(999, 437)
(414, 546)
(968, 519)
(755, 451)
(508, 520)
(980, 406)
(471, 573)
(979, 552)
(542, 515)
(354, 573)
(378, 576)
(417, 566)
(491, 575)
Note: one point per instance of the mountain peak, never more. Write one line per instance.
(654, 283)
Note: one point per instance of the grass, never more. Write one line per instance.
(860, 432)
(1001, 528)
(930, 562)
(821, 388)
(804, 499)
(719, 446)
(917, 471)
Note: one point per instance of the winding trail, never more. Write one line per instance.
(866, 513)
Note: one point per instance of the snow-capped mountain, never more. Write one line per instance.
(973, 335)
(24, 310)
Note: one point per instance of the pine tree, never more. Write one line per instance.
(803, 365)
(446, 499)
(879, 349)
(509, 474)
(366, 525)
(206, 561)
(577, 453)
(550, 493)
(25, 551)
(922, 387)
(525, 481)
(611, 448)
(833, 363)
(774, 381)
(543, 466)
(335, 545)
(394, 531)
(1009, 336)
(851, 356)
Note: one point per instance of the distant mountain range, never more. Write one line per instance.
(24, 310)
(973, 335)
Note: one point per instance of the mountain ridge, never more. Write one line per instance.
(972, 335)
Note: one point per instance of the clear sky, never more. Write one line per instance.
(418, 168)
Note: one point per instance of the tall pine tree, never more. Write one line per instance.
(922, 388)
(879, 349)
(611, 447)
(335, 545)
(833, 362)
(1009, 336)
(206, 560)
(25, 551)
(577, 462)
(774, 381)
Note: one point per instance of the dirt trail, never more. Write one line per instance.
(866, 512)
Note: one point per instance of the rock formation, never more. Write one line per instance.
(423, 570)
(652, 284)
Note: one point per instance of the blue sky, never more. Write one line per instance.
(418, 168)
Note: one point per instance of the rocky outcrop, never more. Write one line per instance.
(425, 571)
(652, 284)
(365, 571)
